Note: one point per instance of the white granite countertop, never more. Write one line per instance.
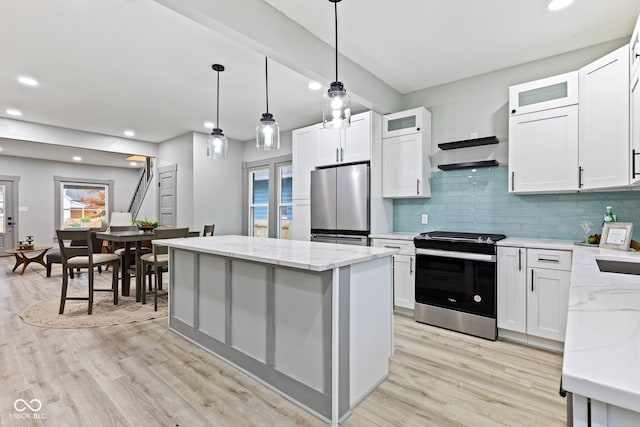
(393, 236)
(315, 256)
(522, 242)
(602, 345)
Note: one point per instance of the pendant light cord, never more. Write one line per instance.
(218, 102)
(335, 8)
(266, 79)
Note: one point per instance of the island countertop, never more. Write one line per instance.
(602, 347)
(314, 256)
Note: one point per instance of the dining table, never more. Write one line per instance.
(128, 237)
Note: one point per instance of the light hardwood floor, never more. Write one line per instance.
(143, 375)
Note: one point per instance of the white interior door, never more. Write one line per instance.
(7, 217)
(167, 196)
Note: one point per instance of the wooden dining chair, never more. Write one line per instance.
(158, 261)
(208, 230)
(75, 256)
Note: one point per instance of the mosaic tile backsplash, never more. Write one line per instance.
(477, 200)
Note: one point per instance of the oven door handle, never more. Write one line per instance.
(458, 255)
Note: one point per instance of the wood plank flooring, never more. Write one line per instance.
(143, 375)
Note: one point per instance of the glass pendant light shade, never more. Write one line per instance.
(336, 113)
(268, 133)
(217, 145)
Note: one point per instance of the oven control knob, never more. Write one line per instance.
(480, 239)
(489, 241)
(477, 298)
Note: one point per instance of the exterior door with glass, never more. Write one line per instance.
(7, 217)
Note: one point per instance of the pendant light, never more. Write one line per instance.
(217, 144)
(336, 113)
(268, 130)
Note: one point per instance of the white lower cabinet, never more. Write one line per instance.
(301, 220)
(547, 303)
(512, 289)
(533, 295)
(404, 270)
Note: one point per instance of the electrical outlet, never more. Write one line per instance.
(425, 219)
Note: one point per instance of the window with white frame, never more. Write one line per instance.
(259, 202)
(267, 189)
(82, 203)
(285, 199)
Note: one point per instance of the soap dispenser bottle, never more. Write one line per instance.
(608, 216)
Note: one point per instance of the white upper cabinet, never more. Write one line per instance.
(634, 119)
(406, 159)
(634, 103)
(604, 121)
(543, 94)
(634, 49)
(303, 147)
(351, 145)
(404, 122)
(543, 151)
(404, 162)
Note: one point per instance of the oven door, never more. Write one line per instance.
(457, 280)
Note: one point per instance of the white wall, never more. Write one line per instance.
(217, 187)
(179, 151)
(251, 153)
(36, 191)
(480, 104)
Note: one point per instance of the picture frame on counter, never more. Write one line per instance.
(616, 235)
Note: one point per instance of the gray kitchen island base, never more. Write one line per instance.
(321, 339)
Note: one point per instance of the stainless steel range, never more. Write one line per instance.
(456, 281)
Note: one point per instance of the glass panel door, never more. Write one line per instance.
(285, 201)
(259, 203)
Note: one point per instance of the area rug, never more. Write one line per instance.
(44, 314)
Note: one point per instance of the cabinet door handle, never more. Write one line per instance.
(519, 259)
(341, 155)
(580, 170)
(531, 280)
(513, 178)
(410, 265)
(417, 186)
(634, 153)
(337, 158)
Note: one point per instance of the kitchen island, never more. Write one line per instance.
(312, 321)
(601, 365)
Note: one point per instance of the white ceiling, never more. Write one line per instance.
(107, 66)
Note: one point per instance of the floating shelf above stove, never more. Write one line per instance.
(469, 165)
(487, 140)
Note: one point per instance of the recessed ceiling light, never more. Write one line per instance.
(315, 85)
(28, 81)
(14, 112)
(129, 133)
(133, 164)
(77, 158)
(209, 125)
(558, 4)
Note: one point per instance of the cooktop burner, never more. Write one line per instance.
(453, 236)
(456, 241)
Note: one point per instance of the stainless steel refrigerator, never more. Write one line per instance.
(340, 205)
